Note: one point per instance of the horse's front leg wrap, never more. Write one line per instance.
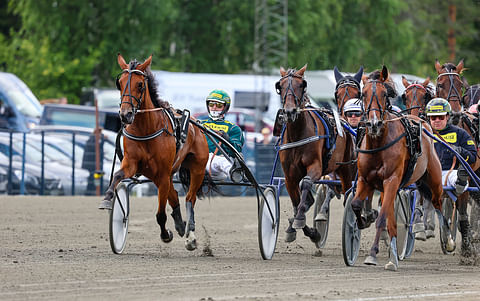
(305, 187)
(179, 223)
(107, 202)
(191, 240)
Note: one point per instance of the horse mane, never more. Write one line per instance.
(389, 84)
(152, 87)
(449, 67)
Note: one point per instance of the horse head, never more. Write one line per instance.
(416, 96)
(132, 83)
(377, 91)
(471, 95)
(291, 88)
(347, 87)
(449, 83)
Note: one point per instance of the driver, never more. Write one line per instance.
(353, 112)
(218, 103)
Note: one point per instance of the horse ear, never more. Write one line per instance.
(426, 82)
(145, 64)
(302, 70)
(405, 82)
(338, 75)
(438, 67)
(384, 75)
(121, 61)
(460, 66)
(282, 72)
(358, 76)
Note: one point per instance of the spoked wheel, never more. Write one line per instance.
(268, 222)
(119, 218)
(350, 233)
(321, 226)
(450, 227)
(403, 213)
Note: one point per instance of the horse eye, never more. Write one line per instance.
(140, 86)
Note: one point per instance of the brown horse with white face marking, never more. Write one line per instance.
(309, 148)
(449, 84)
(150, 148)
(385, 162)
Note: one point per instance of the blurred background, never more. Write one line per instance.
(58, 58)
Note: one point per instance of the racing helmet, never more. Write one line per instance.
(437, 107)
(219, 96)
(353, 104)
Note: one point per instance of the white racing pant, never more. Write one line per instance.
(218, 166)
(452, 178)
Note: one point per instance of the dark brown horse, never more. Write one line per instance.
(471, 95)
(386, 163)
(150, 148)
(347, 87)
(449, 84)
(310, 147)
(416, 96)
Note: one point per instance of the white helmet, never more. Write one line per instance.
(353, 104)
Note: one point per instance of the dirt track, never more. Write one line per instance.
(57, 248)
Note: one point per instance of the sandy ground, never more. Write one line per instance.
(57, 248)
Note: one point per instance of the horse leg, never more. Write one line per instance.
(127, 170)
(291, 233)
(429, 218)
(306, 201)
(176, 212)
(322, 213)
(462, 202)
(391, 186)
(163, 186)
(380, 224)
(364, 192)
(196, 179)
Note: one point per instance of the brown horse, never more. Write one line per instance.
(347, 87)
(386, 163)
(150, 148)
(310, 147)
(416, 96)
(471, 95)
(449, 84)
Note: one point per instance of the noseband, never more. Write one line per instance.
(129, 87)
(452, 86)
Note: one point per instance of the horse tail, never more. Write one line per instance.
(208, 184)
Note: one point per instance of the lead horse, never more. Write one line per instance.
(391, 156)
(309, 147)
(151, 148)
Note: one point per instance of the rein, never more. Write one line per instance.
(376, 150)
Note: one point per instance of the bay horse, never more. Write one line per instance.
(471, 95)
(347, 87)
(387, 161)
(449, 84)
(150, 148)
(309, 147)
(416, 96)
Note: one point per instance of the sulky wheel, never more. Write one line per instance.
(268, 222)
(321, 226)
(119, 218)
(450, 226)
(350, 233)
(403, 214)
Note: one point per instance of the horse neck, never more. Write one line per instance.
(299, 129)
(147, 122)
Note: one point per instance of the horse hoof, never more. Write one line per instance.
(106, 204)
(191, 242)
(299, 223)
(418, 227)
(291, 236)
(430, 234)
(321, 217)
(169, 237)
(421, 236)
(450, 244)
(370, 260)
(390, 266)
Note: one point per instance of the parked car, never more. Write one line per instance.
(20, 110)
(106, 97)
(52, 159)
(83, 116)
(244, 118)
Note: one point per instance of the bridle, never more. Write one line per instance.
(346, 83)
(452, 91)
(290, 91)
(375, 98)
(416, 103)
(471, 94)
(129, 87)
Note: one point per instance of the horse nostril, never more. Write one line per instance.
(129, 115)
